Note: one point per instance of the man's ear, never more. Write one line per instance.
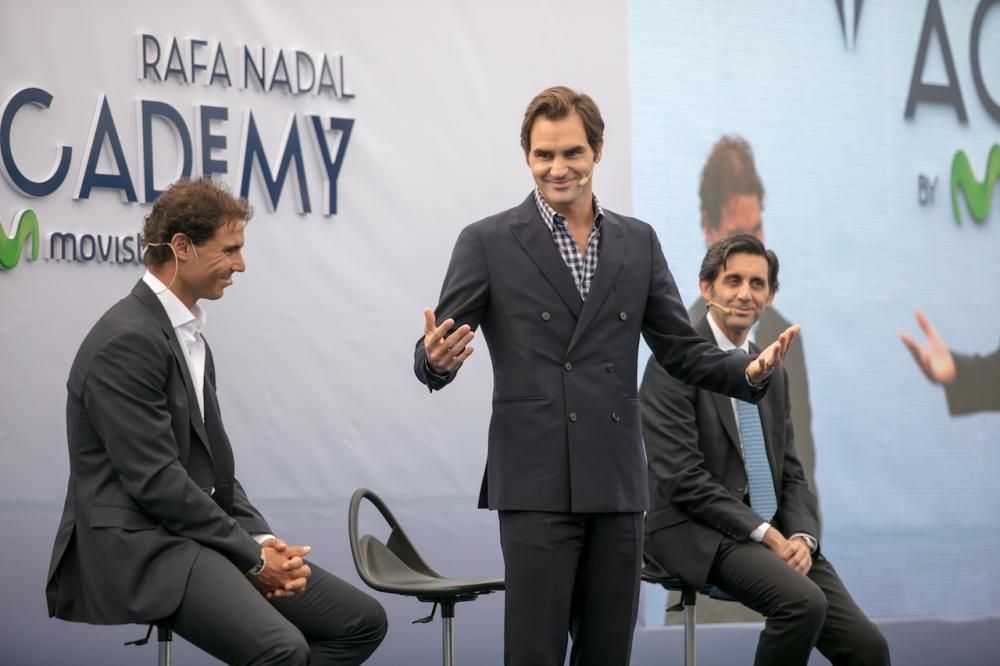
(182, 246)
(705, 287)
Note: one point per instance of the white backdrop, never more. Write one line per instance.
(314, 343)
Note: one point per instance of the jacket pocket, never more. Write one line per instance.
(120, 516)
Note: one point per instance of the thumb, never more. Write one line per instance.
(429, 323)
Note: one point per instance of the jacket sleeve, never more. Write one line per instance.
(679, 348)
(464, 297)
(676, 463)
(125, 399)
(977, 384)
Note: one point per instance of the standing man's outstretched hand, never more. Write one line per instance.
(445, 351)
(768, 361)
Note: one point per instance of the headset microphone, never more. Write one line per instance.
(586, 179)
(723, 308)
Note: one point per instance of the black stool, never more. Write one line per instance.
(164, 639)
(689, 598)
(396, 567)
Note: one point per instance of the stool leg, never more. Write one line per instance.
(448, 632)
(688, 598)
(164, 641)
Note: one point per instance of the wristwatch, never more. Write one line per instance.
(257, 568)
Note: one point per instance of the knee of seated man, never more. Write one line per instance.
(290, 647)
(375, 621)
(812, 605)
(870, 645)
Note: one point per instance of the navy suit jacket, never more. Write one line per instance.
(143, 463)
(697, 480)
(565, 431)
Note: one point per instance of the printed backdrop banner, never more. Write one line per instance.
(365, 135)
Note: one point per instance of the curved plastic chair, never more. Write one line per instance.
(652, 573)
(396, 567)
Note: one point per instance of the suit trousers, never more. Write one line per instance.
(801, 612)
(222, 613)
(570, 573)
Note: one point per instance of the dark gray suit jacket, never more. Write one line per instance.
(142, 463)
(696, 475)
(771, 325)
(565, 431)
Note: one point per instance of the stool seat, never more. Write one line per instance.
(395, 566)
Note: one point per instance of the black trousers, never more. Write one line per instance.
(575, 574)
(801, 612)
(222, 613)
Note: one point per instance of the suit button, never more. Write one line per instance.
(568, 366)
(572, 417)
(546, 316)
(610, 367)
(741, 488)
(623, 316)
(615, 417)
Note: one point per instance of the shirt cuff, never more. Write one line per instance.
(261, 538)
(758, 534)
(746, 374)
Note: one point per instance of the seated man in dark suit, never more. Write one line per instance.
(730, 505)
(156, 528)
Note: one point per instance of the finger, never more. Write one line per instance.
(926, 325)
(291, 563)
(464, 355)
(458, 340)
(429, 323)
(278, 545)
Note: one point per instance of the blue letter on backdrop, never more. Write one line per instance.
(104, 128)
(291, 150)
(43, 99)
(171, 116)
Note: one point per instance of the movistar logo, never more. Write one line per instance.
(977, 194)
(12, 247)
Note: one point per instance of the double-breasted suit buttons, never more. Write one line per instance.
(546, 316)
(623, 315)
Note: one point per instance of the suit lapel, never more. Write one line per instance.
(608, 264)
(152, 303)
(534, 237)
(222, 451)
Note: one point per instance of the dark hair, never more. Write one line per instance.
(555, 104)
(728, 171)
(717, 255)
(193, 207)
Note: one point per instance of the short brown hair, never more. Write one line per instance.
(729, 171)
(193, 207)
(555, 104)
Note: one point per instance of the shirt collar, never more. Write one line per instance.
(178, 313)
(721, 339)
(551, 217)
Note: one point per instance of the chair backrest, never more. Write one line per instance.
(371, 556)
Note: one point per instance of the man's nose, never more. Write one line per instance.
(559, 167)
